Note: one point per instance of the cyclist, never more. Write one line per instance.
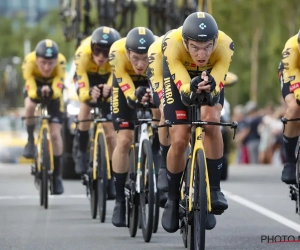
(94, 78)
(289, 74)
(197, 50)
(129, 61)
(44, 73)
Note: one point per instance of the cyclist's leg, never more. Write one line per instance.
(55, 109)
(83, 138)
(213, 146)
(120, 157)
(174, 110)
(111, 144)
(30, 106)
(291, 131)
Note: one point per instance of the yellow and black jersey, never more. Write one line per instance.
(291, 63)
(33, 76)
(87, 69)
(155, 66)
(183, 68)
(123, 70)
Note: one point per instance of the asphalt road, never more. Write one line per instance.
(259, 207)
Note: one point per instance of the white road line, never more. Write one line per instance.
(28, 197)
(264, 211)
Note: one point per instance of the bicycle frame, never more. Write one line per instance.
(99, 129)
(143, 136)
(45, 125)
(198, 145)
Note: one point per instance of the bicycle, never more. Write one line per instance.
(195, 201)
(140, 188)
(97, 178)
(294, 188)
(43, 166)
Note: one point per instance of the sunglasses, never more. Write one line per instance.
(97, 50)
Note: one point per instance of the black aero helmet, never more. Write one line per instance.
(47, 49)
(200, 26)
(104, 36)
(139, 40)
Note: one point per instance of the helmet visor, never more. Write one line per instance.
(97, 50)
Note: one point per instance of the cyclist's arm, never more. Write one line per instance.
(81, 62)
(221, 66)
(291, 70)
(30, 83)
(172, 54)
(58, 80)
(154, 72)
(118, 64)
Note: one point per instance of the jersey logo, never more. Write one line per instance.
(200, 15)
(106, 30)
(294, 87)
(286, 53)
(48, 43)
(142, 31)
(125, 87)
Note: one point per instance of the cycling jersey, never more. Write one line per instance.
(88, 73)
(125, 81)
(123, 70)
(34, 78)
(291, 64)
(154, 71)
(182, 67)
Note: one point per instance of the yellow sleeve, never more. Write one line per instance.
(81, 61)
(172, 54)
(154, 71)
(58, 80)
(291, 70)
(221, 66)
(30, 83)
(117, 60)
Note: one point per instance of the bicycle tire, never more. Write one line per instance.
(45, 168)
(94, 183)
(196, 231)
(146, 192)
(156, 210)
(298, 175)
(102, 177)
(132, 204)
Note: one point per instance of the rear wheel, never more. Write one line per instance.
(102, 177)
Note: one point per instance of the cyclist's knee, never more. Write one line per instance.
(293, 109)
(124, 141)
(55, 135)
(180, 136)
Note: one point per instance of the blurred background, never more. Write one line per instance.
(259, 29)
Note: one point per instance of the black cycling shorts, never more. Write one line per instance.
(120, 108)
(174, 109)
(105, 102)
(285, 87)
(55, 108)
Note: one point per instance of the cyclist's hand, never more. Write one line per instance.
(106, 90)
(46, 91)
(204, 83)
(95, 92)
(143, 94)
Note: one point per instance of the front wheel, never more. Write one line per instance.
(45, 167)
(147, 190)
(197, 230)
(102, 177)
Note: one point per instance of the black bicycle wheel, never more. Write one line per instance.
(45, 166)
(197, 231)
(297, 152)
(132, 199)
(94, 183)
(102, 177)
(147, 191)
(156, 210)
